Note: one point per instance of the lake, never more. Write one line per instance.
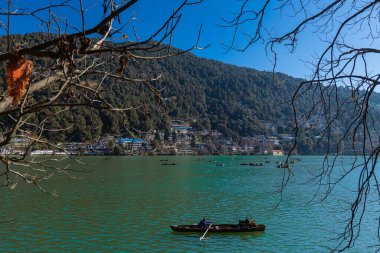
(126, 204)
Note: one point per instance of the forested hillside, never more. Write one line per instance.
(236, 101)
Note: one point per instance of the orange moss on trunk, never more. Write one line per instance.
(18, 74)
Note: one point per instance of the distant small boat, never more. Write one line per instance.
(256, 164)
(164, 160)
(251, 164)
(169, 164)
(243, 226)
(283, 166)
(220, 164)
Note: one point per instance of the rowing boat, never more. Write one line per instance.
(220, 228)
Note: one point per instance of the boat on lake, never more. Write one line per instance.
(242, 226)
(256, 164)
(252, 164)
(284, 166)
(169, 164)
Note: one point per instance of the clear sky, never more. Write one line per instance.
(151, 13)
(209, 14)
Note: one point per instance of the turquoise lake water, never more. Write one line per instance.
(126, 204)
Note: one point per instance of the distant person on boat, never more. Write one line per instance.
(253, 223)
(250, 222)
(202, 223)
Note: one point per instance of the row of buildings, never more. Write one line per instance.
(182, 139)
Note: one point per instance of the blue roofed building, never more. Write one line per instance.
(133, 145)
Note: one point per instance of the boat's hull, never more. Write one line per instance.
(222, 228)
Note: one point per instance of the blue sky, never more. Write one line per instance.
(150, 14)
(209, 14)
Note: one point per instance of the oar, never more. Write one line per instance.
(203, 236)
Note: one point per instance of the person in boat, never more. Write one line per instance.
(202, 223)
(250, 222)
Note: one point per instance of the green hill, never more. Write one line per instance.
(236, 101)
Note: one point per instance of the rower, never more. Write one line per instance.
(202, 223)
(252, 223)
